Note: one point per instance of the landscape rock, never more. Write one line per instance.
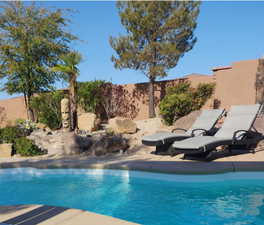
(87, 122)
(60, 143)
(120, 125)
(186, 122)
(109, 145)
(5, 150)
(42, 126)
(259, 124)
(145, 127)
(152, 125)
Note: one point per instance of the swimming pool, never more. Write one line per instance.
(146, 198)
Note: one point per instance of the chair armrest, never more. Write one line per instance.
(239, 131)
(204, 131)
(182, 129)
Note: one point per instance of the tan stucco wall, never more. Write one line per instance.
(14, 108)
(137, 98)
(198, 79)
(236, 86)
(137, 95)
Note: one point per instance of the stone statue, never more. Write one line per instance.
(65, 114)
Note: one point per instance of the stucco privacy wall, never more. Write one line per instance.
(235, 85)
(134, 102)
(12, 109)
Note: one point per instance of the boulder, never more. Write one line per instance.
(5, 150)
(42, 126)
(109, 144)
(259, 124)
(120, 125)
(187, 121)
(150, 125)
(60, 143)
(87, 122)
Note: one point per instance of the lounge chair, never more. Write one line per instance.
(204, 124)
(236, 131)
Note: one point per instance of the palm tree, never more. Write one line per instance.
(69, 71)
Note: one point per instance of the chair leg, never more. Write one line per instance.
(162, 149)
(200, 155)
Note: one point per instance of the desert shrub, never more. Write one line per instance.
(26, 147)
(90, 95)
(10, 133)
(181, 99)
(46, 107)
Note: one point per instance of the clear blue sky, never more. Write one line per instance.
(226, 32)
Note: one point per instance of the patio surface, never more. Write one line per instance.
(50, 215)
(239, 160)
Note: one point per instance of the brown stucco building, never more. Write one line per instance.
(235, 85)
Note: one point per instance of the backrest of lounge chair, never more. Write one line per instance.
(206, 120)
(240, 117)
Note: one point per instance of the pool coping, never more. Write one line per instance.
(48, 215)
(171, 167)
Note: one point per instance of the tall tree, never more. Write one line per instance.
(69, 70)
(31, 40)
(158, 35)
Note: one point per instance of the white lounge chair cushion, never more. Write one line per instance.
(198, 142)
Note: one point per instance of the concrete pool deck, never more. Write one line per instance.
(50, 215)
(143, 160)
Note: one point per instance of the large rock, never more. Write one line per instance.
(187, 121)
(5, 150)
(109, 145)
(87, 122)
(145, 127)
(259, 124)
(42, 126)
(120, 125)
(60, 143)
(152, 125)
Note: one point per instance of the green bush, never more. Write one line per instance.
(9, 134)
(46, 107)
(26, 147)
(181, 99)
(90, 95)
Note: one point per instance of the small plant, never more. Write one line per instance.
(26, 125)
(90, 95)
(47, 108)
(26, 147)
(9, 134)
(183, 99)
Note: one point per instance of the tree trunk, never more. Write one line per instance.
(30, 112)
(151, 99)
(73, 102)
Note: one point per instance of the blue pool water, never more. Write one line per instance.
(146, 198)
